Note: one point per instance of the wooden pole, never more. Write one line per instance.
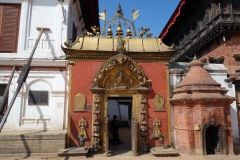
(22, 77)
(7, 91)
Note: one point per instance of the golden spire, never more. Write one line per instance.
(109, 33)
(119, 31)
(129, 33)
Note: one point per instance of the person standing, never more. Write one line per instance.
(114, 128)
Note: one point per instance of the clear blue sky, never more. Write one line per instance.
(153, 14)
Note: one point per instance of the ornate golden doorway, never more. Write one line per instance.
(120, 76)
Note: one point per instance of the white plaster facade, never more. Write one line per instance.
(219, 73)
(59, 17)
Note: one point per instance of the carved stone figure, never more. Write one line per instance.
(120, 46)
(143, 107)
(143, 98)
(143, 131)
(79, 102)
(120, 80)
(97, 98)
(95, 30)
(89, 34)
(82, 128)
(149, 35)
(96, 118)
(95, 130)
(96, 107)
(96, 145)
(144, 30)
(143, 118)
(158, 102)
(156, 127)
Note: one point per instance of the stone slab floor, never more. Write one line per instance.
(123, 152)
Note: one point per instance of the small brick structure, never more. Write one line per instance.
(202, 114)
(31, 143)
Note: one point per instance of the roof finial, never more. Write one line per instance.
(119, 31)
(195, 56)
(119, 12)
(129, 33)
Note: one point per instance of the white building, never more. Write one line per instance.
(41, 105)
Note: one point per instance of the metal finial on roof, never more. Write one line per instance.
(109, 33)
(119, 31)
(129, 33)
(118, 15)
(195, 56)
(119, 12)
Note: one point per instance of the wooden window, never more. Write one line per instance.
(38, 98)
(9, 26)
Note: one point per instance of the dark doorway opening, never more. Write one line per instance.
(212, 140)
(122, 108)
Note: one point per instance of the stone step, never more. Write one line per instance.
(161, 151)
(76, 151)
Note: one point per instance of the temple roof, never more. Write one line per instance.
(197, 76)
(199, 85)
(108, 46)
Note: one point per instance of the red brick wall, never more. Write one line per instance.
(226, 49)
(82, 76)
(188, 116)
(157, 73)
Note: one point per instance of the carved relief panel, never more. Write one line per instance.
(96, 121)
(143, 122)
(120, 71)
(79, 102)
(156, 128)
(158, 103)
(82, 128)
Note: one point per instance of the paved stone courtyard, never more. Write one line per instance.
(123, 152)
(128, 156)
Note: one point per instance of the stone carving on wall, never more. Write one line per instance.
(120, 79)
(97, 98)
(80, 102)
(143, 108)
(143, 131)
(158, 103)
(96, 108)
(156, 128)
(134, 135)
(143, 122)
(143, 97)
(143, 118)
(96, 121)
(82, 128)
(118, 65)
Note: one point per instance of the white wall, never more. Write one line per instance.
(37, 117)
(58, 17)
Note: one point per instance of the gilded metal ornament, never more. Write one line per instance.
(135, 77)
(82, 128)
